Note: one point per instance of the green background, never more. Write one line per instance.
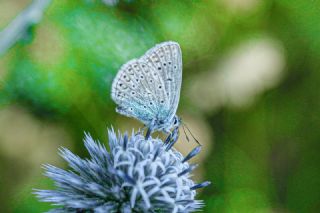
(262, 144)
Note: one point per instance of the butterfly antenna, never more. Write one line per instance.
(185, 125)
(187, 138)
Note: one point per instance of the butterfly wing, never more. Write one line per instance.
(166, 58)
(139, 92)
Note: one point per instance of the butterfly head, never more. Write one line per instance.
(176, 121)
(166, 126)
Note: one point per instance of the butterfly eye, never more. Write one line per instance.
(175, 121)
(162, 101)
(160, 87)
(164, 64)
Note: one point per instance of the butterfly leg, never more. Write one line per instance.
(150, 129)
(172, 138)
(148, 134)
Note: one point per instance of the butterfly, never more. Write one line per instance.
(148, 88)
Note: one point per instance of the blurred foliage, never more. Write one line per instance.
(23, 202)
(264, 156)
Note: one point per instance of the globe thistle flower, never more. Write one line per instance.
(138, 175)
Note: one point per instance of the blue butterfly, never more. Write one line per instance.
(148, 88)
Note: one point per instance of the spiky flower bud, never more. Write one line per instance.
(137, 175)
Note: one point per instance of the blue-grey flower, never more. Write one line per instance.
(137, 175)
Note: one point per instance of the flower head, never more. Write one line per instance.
(137, 175)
